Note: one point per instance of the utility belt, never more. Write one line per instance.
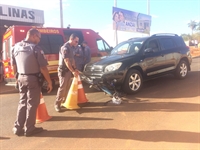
(63, 70)
(38, 75)
(29, 74)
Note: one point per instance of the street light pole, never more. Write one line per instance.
(148, 11)
(115, 3)
(148, 7)
(61, 14)
(116, 37)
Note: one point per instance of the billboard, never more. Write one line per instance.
(13, 13)
(125, 20)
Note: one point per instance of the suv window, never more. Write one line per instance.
(166, 43)
(152, 44)
(122, 48)
(128, 47)
(179, 41)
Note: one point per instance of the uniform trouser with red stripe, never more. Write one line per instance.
(65, 83)
(29, 91)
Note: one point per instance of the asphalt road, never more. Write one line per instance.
(164, 115)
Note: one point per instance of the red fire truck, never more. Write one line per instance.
(51, 41)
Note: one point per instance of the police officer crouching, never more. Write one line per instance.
(29, 63)
(66, 68)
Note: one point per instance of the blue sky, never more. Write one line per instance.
(168, 16)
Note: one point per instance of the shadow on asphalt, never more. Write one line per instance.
(136, 106)
(63, 118)
(170, 87)
(4, 138)
(147, 136)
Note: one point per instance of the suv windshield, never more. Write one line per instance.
(128, 47)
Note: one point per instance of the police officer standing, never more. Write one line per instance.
(79, 58)
(66, 68)
(87, 52)
(28, 63)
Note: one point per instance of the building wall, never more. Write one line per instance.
(21, 14)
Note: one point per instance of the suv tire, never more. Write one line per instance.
(181, 70)
(133, 82)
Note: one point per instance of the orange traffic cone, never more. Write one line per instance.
(81, 93)
(42, 114)
(71, 100)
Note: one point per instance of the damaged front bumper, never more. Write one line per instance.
(101, 84)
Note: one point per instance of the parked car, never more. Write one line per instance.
(140, 59)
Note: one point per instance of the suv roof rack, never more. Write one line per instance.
(134, 38)
(165, 34)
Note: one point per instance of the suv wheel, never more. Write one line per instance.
(133, 82)
(181, 70)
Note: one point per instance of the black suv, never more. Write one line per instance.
(139, 59)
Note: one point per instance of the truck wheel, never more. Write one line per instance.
(181, 70)
(133, 82)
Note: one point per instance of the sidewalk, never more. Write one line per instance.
(194, 51)
(6, 89)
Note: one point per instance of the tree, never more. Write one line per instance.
(192, 25)
(186, 37)
(198, 26)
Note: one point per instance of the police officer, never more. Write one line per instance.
(87, 52)
(28, 63)
(79, 58)
(66, 68)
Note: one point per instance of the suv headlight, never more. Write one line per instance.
(113, 67)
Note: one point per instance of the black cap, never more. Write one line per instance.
(84, 42)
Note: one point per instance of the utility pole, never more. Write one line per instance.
(148, 11)
(116, 37)
(148, 7)
(61, 14)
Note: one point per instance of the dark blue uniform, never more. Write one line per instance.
(79, 60)
(28, 58)
(66, 51)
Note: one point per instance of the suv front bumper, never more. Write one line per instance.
(103, 78)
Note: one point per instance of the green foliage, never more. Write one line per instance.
(192, 25)
(198, 26)
(189, 37)
(186, 37)
(195, 27)
(196, 36)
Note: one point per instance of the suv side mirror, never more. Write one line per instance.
(148, 50)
